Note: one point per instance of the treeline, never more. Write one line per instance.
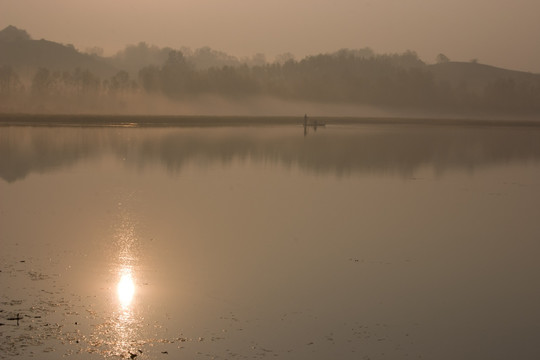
(134, 57)
(348, 77)
(73, 91)
(397, 81)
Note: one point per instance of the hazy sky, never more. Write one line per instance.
(504, 33)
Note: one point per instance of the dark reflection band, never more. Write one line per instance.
(338, 150)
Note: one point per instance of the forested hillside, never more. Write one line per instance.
(44, 76)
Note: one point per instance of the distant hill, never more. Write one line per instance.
(474, 76)
(29, 79)
(11, 33)
(17, 49)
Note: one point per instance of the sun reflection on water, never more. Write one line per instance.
(125, 288)
(125, 320)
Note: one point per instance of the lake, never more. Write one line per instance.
(354, 240)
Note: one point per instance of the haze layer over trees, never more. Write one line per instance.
(44, 76)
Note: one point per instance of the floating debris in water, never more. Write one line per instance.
(17, 318)
(34, 275)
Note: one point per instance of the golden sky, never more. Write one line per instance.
(497, 32)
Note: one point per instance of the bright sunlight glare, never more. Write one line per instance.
(126, 289)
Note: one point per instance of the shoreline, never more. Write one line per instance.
(86, 120)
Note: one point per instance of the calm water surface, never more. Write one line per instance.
(352, 242)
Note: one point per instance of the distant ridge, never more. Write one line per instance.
(11, 33)
(42, 76)
(474, 75)
(18, 50)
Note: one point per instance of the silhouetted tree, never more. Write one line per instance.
(441, 59)
(205, 58)
(258, 59)
(85, 82)
(9, 81)
(42, 82)
(150, 78)
(135, 57)
(120, 82)
(175, 74)
(231, 81)
(283, 58)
